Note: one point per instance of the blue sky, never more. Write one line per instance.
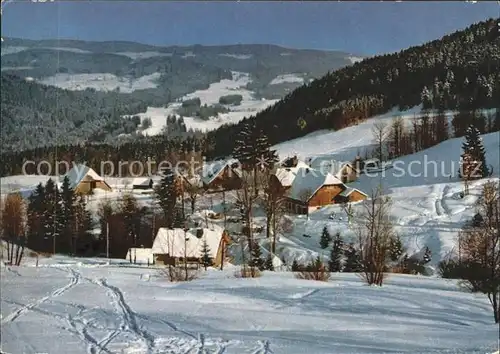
(357, 27)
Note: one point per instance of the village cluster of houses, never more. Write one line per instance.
(304, 188)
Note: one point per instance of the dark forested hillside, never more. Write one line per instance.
(460, 71)
(38, 115)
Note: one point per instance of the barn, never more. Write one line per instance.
(312, 189)
(350, 195)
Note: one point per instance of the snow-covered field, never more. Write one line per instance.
(287, 78)
(101, 82)
(80, 306)
(249, 106)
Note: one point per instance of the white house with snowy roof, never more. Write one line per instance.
(172, 246)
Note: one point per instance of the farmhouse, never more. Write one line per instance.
(283, 177)
(84, 180)
(350, 195)
(312, 188)
(172, 246)
(221, 176)
(345, 171)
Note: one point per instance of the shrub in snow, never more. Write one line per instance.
(247, 271)
(315, 270)
(178, 274)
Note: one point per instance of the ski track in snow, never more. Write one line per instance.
(75, 279)
(129, 322)
(80, 327)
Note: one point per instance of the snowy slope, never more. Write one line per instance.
(79, 307)
(249, 106)
(424, 188)
(345, 144)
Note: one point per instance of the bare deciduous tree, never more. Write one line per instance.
(380, 131)
(13, 224)
(274, 204)
(349, 211)
(375, 233)
(194, 192)
(479, 244)
(246, 198)
(304, 196)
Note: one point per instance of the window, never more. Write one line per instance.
(93, 184)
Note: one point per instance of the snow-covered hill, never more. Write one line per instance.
(424, 188)
(237, 86)
(81, 306)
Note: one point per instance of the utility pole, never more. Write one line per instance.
(107, 240)
(223, 250)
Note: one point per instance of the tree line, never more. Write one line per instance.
(457, 72)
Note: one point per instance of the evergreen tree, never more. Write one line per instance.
(131, 218)
(253, 150)
(325, 239)
(256, 256)
(352, 260)
(166, 194)
(68, 200)
(206, 260)
(179, 221)
(35, 213)
(295, 266)
(268, 264)
(396, 249)
(474, 149)
(82, 237)
(335, 263)
(52, 215)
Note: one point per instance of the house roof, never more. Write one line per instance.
(172, 241)
(308, 180)
(349, 190)
(141, 181)
(80, 172)
(328, 165)
(286, 175)
(212, 170)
